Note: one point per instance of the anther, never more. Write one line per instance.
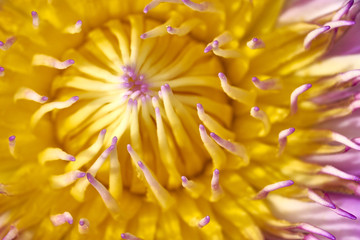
(349, 75)
(76, 28)
(63, 180)
(203, 222)
(107, 198)
(212, 124)
(259, 114)
(52, 154)
(83, 226)
(339, 23)
(200, 7)
(338, 210)
(2, 71)
(268, 84)
(295, 95)
(343, 11)
(312, 229)
(231, 147)
(12, 143)
(48, 107)
(29, 94)
(272, 187)
(160, 193)
(255, 43)
(344, 140)
(48, 61)
(8, 43)
(283, 139)
(216, 190)
(316, 198)
(12, 234)
(314, 34)
(115, 181)
(129, 236)
(330, 170)
(217, 155)
(62, 218)
(193, 188)
(219, 41)
(236, 93)
(35, 19)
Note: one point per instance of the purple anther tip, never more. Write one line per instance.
(71, 61)
(184, 179)
(309, 85)
(157, 110)
(129, 148)
(146, 9)
(114, 140)
(103, 131)
(199, 106)
(256, 109)
(291, 130)
(33, 13)
(90, 178)
(169, 29)
(123, 236)
(131, 101)
(141, 165)
(254, 79)
(1, 43)
(216, 171)
(221, 76)
(215, 43)
(207, 49)
(12, 138)
(111, 148)
(2, 69)
(81, 174)
(81, 222)
(143, 36)
(75, 98)
(79, 22)
(72, 158)
(213, 135)
(44, 98)
(255, 39)
(327, 28)
(201, 127)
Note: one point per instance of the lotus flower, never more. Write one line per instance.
(178, 119)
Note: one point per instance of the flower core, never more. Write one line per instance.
(144, 96)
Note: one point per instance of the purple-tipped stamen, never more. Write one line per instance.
(311, 36)
(330, 170)
(316, 198)
(62, 218)
(272, 187)
(295, 95)
(35, 19)
(283, 139)
(203, 222)
(312, 229)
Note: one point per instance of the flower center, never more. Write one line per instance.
(144, 92)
